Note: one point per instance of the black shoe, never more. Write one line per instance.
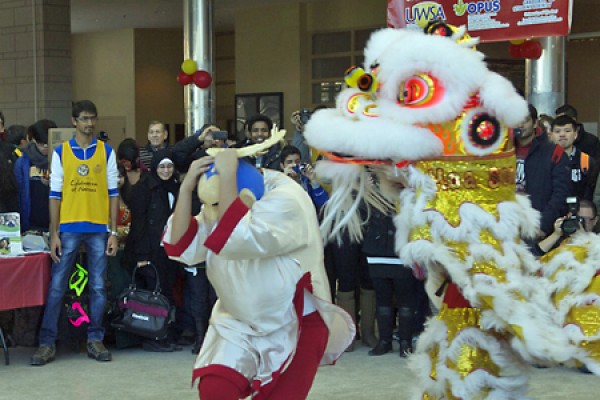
(584, 369)
(158, 346)
(174, 345)
(382, 347)
(43, 355)
(98, 352)
(185, 340)
(405, 348)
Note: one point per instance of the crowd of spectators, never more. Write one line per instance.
(556, 159)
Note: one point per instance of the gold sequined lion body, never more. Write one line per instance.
(427, 108)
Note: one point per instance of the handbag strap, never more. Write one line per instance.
(156, 288)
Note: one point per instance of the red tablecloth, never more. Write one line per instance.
(24, 281)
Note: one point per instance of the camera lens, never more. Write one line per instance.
(570, 225)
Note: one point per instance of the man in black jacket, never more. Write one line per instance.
(543, 173)
(583, 167)
(586, 142)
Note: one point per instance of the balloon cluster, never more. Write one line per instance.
(531, 49)
(190, 73)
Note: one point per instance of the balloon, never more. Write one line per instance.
(189, 66)
(184, 79)
(532, 49)
(515, 50)
(202, 79)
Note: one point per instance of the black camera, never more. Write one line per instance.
(571, 224)
(517, 132)
(220, 135)
(299, 168)
(305, 115)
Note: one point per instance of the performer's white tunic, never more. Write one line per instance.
(255, 259)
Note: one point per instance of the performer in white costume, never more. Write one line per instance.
(273, 323)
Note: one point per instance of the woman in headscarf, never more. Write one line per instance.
(152, 201)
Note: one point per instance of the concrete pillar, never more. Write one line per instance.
(199, 103)
(545, 77)
(35, 61)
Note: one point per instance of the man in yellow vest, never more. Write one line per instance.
(84, 202)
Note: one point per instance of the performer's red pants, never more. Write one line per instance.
(293, 384)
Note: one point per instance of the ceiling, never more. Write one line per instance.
(95, 15)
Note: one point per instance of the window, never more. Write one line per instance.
(332, 53)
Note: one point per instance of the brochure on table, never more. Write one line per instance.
(10, 235)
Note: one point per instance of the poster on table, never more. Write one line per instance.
(10, 234)
(490, 20)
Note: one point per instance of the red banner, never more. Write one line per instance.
(490, 20)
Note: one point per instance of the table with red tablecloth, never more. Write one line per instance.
(23, 283)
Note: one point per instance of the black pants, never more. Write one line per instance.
(200, 294)
(405, 288)
(350, 266)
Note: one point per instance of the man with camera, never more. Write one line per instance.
(304, 174)
(542, 172)
(299, 119)
(582, 216)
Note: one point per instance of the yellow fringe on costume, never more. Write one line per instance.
(574, 271)
(463, 221)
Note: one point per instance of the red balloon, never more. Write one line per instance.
(202, 79)
(184, 79)
(515, 50)
(532, 49)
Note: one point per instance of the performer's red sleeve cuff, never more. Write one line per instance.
(217, 239)
(177, 249)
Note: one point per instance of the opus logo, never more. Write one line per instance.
(476, 7)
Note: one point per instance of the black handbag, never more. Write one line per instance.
(143, 312)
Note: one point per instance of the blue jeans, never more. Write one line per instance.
(95, 246)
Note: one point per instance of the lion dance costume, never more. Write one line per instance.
(427, 107)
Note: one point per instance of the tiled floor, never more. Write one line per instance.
(135, 374)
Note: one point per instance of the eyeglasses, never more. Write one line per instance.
(87, 119)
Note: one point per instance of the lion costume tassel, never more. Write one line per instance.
(426, 106)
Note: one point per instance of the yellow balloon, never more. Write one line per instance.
(517, 41)
(189, 66)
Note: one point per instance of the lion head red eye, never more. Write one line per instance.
(419, 90)
(438, 28)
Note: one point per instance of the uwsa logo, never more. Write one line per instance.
(424, 12)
